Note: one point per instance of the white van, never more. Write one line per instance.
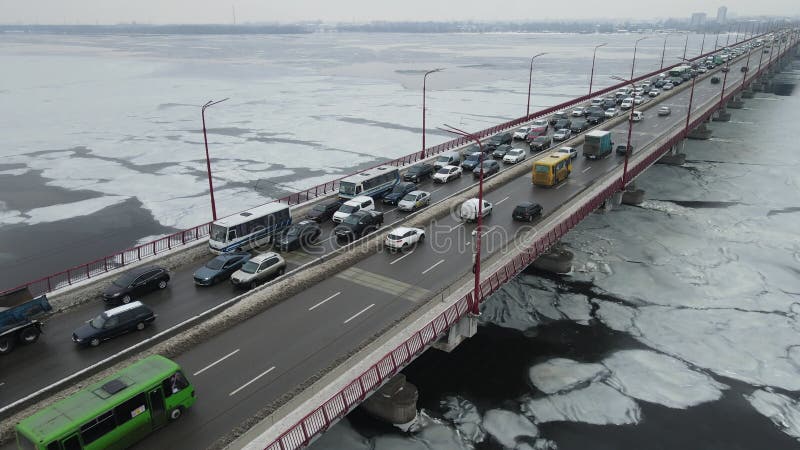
(447, 159)
(469, 210)
(360, 203)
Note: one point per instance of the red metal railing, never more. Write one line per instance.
(120, 259)
(351, 395)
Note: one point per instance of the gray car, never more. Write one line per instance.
(258, 270)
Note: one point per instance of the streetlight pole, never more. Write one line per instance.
(424, 83)
(664, 48)
(689, 110)
(703, 43)
(633, 63)
(724, 79)
(728, 36)
(716, 41)
(594, 55)
(628, 149)
(686, 44)
(209, 104)
(479, 219)
(530, 82)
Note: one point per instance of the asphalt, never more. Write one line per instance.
(240, 371)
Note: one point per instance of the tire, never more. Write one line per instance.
(162, 284)
(6, 344)
(126, 299)
(281, 272)
(29, 335)
(94, 342)
(140, 326)
(175, 414)
(421, 238)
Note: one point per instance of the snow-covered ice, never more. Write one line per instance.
(465, 417)
(561, 374)
(506, 426)
(597, 404)
(783, 411)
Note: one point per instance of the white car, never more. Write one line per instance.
(562, 134)
(597, 102)
(522, 133)
(403, 237)
(626, 104)
(414, 200)
(360, 203)
(667, 86)
(540, 123)
(578, 112)
(446, 174)
(638, 100)
(611, 113)
(514, 156)
(654, 92)
(571, 151)
(702, 69)
(638, 116)
(469, 210)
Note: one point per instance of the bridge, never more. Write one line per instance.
(295, 355)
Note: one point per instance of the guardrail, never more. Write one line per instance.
(341, 403)
(103, 265)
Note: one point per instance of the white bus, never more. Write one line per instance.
(248, 229)
(373, 183)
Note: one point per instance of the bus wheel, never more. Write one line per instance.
(175, 414)
(29, 335)
(6, 345)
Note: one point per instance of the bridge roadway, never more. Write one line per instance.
(251, 365)
(240, 371)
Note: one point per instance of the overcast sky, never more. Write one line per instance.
(220, 11)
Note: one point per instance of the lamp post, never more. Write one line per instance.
(479, 219)
(724, 79)
(635, 45)
(664, 47)
(686, 44)
(594, 54)
(628, 150)
(691, 97)
(424, 83)
(530, 82)
(747, 68)
(716, 41)
(728, 36)
(209, 104)
(703, 43)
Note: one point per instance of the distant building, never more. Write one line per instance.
(722, 14)
(698, 19)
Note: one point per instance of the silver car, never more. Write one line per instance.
(414, 200)
(259, 269)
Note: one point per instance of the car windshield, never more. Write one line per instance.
(216, 263)
(348, 209)
(293, 231)
(98, 322)
(410, 198)
(347, 188)
(218, 233)
(399, 189)
(515, 152)
(540, 122)
(444, 159)
(444, 170)
(352, 220)
(473, 157)
(249, 267)
(319, 208)
(395, 237)
(125, 280)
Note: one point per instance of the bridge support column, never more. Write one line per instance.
(722, 115)
(632, 196)
(736, 102)
(673, 157)
(464, 329)
(748, 93)
(701, 132)
(395, 402)
(557, 260)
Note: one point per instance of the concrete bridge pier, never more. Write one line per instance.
(673, 157)
(736, 102)
(722, 115)
(557, 260)
(748, 92)
(395, 402)
(632, 196)
(701, 132)
(463, 329)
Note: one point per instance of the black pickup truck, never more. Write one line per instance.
(359, 224)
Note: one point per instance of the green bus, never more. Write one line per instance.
(114, 413)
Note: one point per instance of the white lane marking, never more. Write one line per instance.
(323, 302)
(215, 362)
(432, 267)
(251, 381)
(454, 227)
(391, 210)
(561, 185)
(2, 384)
(359, 313)
(587, 169)
(398, 259)
(501, 201)
(436, 190)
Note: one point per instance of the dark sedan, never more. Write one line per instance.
(220, 268)
(114, 322)
(472, 160)
(419, 172)
(490, 168)
(297, 235)
(579, 126)
(558, 116)
(562, 123)
(135, 283)
(324, 211)
(623, 149)
(541, 143)
(527, 211)
(501, 151)
(596, 118)
(498, 140)
(398, 192)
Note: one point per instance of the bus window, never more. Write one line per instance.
(174, 384)
(358, 190)
(97, 427)
(130, 409)
(53, 446)
(218, 233)
(25, 444)
(72, 443)
(231, 235)
(542, 169)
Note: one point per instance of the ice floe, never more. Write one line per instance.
(561, 374)
(597, 404)
(507, 427)
(783, 411)
(465, 417)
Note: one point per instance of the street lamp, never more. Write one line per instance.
(728, 36)
(716, 41)
(686, 44)
(691, 97)
(530, 81)
(630, 131)
(703, 43)
(424, 82)
(724, 79)
(209, 104)
(664, 47)
(635, 45)
(477, 262)
(594, 54)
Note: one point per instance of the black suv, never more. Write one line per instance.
(359, 224)
(135, 283)
(114, 322)
(490, 167)
(541, 143)
(527, 211)
(418, 173)
(498, 140)
(596, 118)
(324, 211)
(578, 126)
(398, 192)
(472, 160)
(299, 234)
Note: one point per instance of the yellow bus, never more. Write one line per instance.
(551, 170)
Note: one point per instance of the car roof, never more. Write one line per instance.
(143, 269)
(417, 192)
(449, 166)
(227, 256)
(402, 230)
(526, 204)
(258, 259)
(123, 308)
